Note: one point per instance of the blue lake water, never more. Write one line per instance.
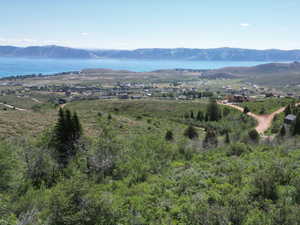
(24, 66)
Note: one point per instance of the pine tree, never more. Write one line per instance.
(77, 126)
(227, 138)
(213, 111)
(206, 117)
(192, 114)
(288, 110)
(282, 131)
(200, 116)
(296, 130)
(66, 133)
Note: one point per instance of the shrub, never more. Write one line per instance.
(191, 132)
(246, 110)
(169, 136)
(254, 135)
(238, 149)
(211, 139)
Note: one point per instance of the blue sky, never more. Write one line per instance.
(130, 24)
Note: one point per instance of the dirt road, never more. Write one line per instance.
(264, 122)
(13, 107)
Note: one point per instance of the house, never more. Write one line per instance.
(289, 119)
(125, 96)
(136, 97)
(237, 98)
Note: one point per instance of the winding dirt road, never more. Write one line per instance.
(264, 122)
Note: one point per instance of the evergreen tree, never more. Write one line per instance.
(288, 110)
(282, 131)
(192, 114)
(206, 117)
(296, 130)
(227, 138)
(66, 133)
(213, 111)
(200, 116)
(191, 132)
(77, 126)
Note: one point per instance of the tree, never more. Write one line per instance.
(200, 116)
(213, 111)
(282, 131)
(227, 138)
(288, 110)
(296, 130)
(206, 117)
(66, 133)
(192, 114)
(246, 110)
(77, 129)
(191, 132)
(7, 166)
(169, 136)
(262, 111)
(186, 115)
(254, 135)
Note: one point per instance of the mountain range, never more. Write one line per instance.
(215, 54)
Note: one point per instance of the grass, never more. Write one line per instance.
(267, 106)
(159, 115)
(20, 102)
(129, 117)
(276, 124)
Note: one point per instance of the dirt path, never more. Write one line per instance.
(36, 100)
(264, 122)
(62, 105)
(13, 107)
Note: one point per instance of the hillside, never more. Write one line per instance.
(269, 74)
(217, 54)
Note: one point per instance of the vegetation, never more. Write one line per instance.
(149, 162)
(267, 106)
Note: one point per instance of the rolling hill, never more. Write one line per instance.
(277, 74)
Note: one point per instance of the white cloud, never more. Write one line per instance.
(84, 33)
(244, 24)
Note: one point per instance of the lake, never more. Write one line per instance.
(24, 66)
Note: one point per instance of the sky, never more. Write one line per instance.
(132, 24)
